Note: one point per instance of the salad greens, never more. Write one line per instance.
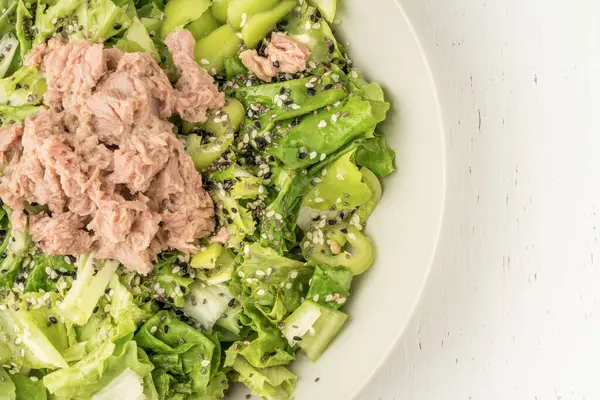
(293, 168)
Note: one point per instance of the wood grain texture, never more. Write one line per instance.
(510, 309)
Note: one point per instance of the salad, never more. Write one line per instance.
(185, 187)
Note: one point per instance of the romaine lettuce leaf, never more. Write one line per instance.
(98, 369)
(44, 269)
(28, 388)
(136, 39)
(7, 387)
(11, 114)
(376, 155)
(274, 383)
(330, 286)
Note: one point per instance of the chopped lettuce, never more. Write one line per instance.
(376, 155)
(312, 327)
(340, 187)
(8, 49)
(137, 38)
(330, 286)
(28, 388)
(170, 280)
(7, 386)
(97, 370)
(207, 304)
(93, 276)
(11, 114)
(46, 271)
(274, 383)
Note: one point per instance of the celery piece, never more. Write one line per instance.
(212, 50)
(259, 25)
(202, 26)
(240, 11)
(219, 10)
(179, 13)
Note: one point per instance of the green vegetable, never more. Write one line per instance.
(28, 389)
(269, 383)
(87, 289)
(322, 134)
(32, 343)
(23, 28)
(219, 10)
(25, 87)
(12, 249)
(212, 50)
(100, 19)
(234, 67)
(330, 286)
(8, 46)
(10, 114)
(319, 39)
(172, 283)
(8, 15)
(198, 356)
(207, 257)
(327, 8)
(349, 248)
(300, 99)
(376, 155)
(222, 127)
(365, 210)
(38, 278)
(259, 25)
(341, 186)
(206, 304)
(128, 385)
(234, 217)
(312, 327)
(203, 25)
(239, 11)
(136, 39)
(98, 370)
(179, 13)
(7, 387)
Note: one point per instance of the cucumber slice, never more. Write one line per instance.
(327, 8)
(259, 25)
(179, 13)
(312, 327)
(240, 11)
(371, 180)
(212, 50)
(202, 26)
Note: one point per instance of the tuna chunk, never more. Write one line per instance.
(71, 69)
(104, 159)
(60, 234)
(259, 66)
(196, 92)
(284, 55)
(290, 54)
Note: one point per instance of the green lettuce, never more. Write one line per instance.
(330, 286)
(45, 269)
(137, 39)
(98, 369)
(274, 383)
(376, 155)
(28, 388)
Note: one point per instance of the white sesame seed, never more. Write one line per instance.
(328, 297)
(204, 61)
(278, 217)
(323, 156)
(241, 274)
(239, 34)
(354, 74)
(153, 329)
(2, 307)
(334, 118)
(270, 214)
(34, 378)
(318, 200)
(309, 85)
(322, 124)
(315, 298)
(269, 271)
(316, 25)
(317, 180)
(260, 292)
(205, 363)
(260, 272)
(313, 155)
(307, 25)
(294, 274)
(48, 270)
(282, 284)
(341, 300)
(351, 236)
(18, 340)
(288, 285)
(295, 106)
(246, 249)
(340, 177)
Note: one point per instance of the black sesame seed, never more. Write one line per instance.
(230, 221)
(166, 328)
(117, 26)
(331, 222)
(311, 91)
(276, 64)
(327, 87)
(95, 310)
(344, 230)
(297, 338)
(317, 379)
(282, 90)
(52, 319)
(302, 155)
(234, 210)
(231, 303)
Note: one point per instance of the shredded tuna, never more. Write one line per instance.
(288, 53)
(114, 176)
(259, 66)
(196, 91)
(283, 55)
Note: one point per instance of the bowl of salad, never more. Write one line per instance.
(193, 201)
